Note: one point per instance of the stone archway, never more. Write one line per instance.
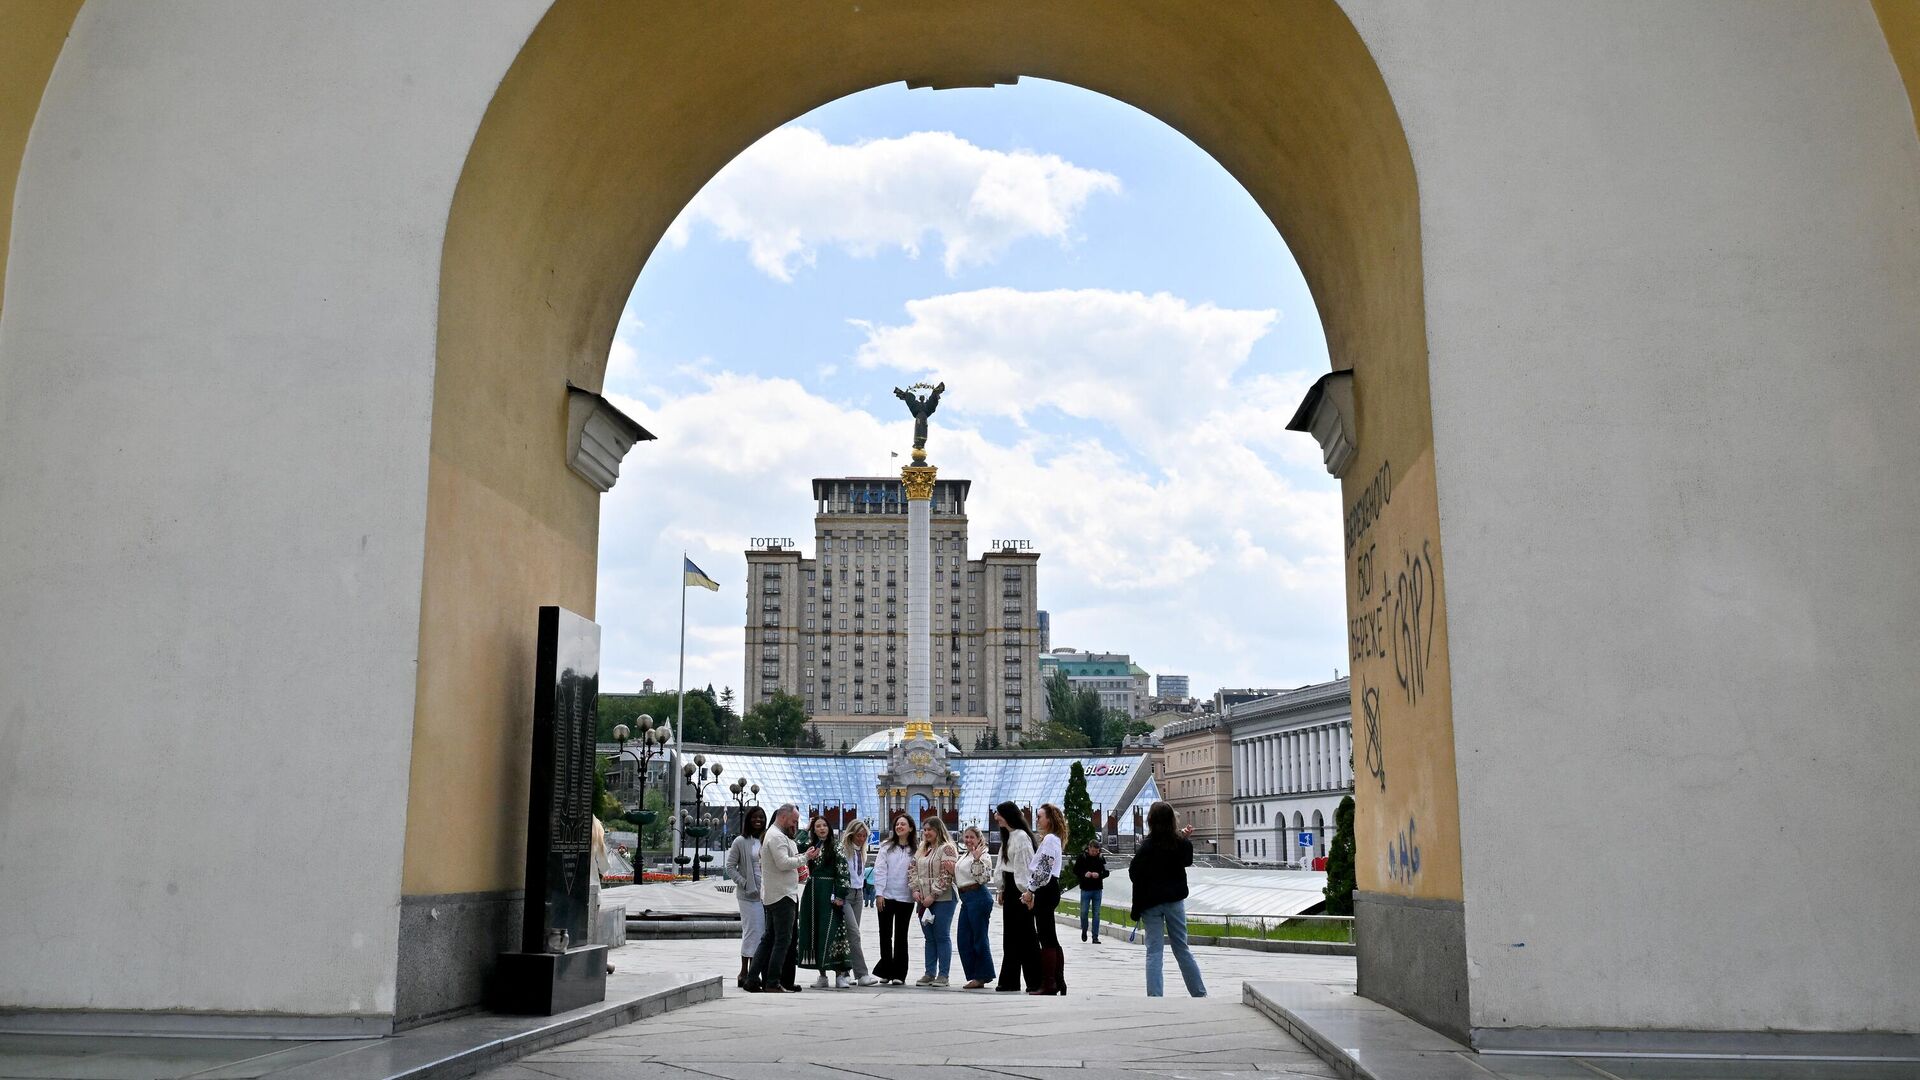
(613, 117)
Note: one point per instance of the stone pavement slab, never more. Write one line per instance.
(1105, 1025)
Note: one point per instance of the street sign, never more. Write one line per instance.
(1306, 839)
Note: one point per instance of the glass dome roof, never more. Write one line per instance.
(884, 739)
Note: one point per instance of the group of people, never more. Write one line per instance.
(800, 896)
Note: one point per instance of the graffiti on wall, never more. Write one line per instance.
(1403, 855)
(1413, 615)
(1376, 755)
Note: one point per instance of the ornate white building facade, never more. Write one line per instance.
(1292, 764)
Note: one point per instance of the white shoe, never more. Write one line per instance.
(840, 982)
(867, 980)
(897, 982)
(939, 980)
(821, 982)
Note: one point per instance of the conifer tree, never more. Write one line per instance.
(1340, 871)
(1081, 828)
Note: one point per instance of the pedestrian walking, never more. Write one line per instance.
(1159, 875)
(1019, 956)
(893, 880)
(743, 869)
(973, 881)
(933, 891)
(1091, 868)
(772, 970)
(1042, 897)
(853, 848)
(823, 926)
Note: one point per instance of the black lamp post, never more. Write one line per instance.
(744, 795)
(701, 776)
(653, 743)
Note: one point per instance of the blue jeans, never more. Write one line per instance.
(940, 938)
(976, 957)
(1168, 923)
(1090, 902)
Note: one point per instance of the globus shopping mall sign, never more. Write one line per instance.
(1108, 768)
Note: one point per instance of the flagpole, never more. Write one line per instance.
(680, 722)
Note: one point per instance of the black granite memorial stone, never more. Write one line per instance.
(556, 969)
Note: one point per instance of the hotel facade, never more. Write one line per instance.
(832, 629)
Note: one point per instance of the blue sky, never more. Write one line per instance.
(1123, 333)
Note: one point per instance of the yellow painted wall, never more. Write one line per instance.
(613, 117)
(32, 33)
(1900, 22)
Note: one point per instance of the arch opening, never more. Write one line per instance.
(612, 119)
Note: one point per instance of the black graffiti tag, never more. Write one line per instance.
(1376, 754)
(1413, 615)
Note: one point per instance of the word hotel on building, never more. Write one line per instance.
(832, 630)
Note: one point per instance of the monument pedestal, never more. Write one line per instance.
(542, 984)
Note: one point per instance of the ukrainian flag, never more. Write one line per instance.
(697, 576)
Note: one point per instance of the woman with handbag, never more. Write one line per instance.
(933, 890)
(1042, 897)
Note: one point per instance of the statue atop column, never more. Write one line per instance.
(921, 407)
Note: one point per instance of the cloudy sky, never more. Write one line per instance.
(1122, 333)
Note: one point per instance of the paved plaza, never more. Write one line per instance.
(1105, 1025)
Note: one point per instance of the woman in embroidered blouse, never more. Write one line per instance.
(973, 879)
(1019, 956)
(893, 874)
(823, 926)
(1042, 897)
(933, 890)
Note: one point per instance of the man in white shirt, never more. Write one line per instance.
(775, 961)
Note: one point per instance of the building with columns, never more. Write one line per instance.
(832, 629)
(1292, 764)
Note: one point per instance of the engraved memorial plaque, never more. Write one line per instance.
(560, 802)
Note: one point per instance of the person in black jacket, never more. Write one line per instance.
(1159, 875)
(1091, 868)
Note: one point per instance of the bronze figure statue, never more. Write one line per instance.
(921, 408)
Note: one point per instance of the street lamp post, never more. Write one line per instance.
(701, 776)
(653, 743)
(744, 795)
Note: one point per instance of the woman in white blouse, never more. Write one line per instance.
(1042, 897)
(973, 877)
(1019, 956)
(892, 878)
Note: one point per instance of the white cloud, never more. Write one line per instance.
(1143, 363)
(793, 193)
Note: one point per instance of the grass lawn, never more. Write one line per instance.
(1276, 930)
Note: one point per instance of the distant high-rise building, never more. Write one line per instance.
(1170, 687)
(833, 629)
(1046, 631)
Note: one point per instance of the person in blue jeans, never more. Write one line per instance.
(1090, 867)
(934, 893)
(1159, 875)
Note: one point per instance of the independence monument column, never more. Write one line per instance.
(918, 479)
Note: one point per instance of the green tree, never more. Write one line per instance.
(810, 738)
(778, 721)
(605, 806)
(1340, 871)
(1081, 827)
(1090, 716)
(708, 721)
(1054, 735)
(1060, 698)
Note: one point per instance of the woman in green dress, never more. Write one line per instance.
(823, 929)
